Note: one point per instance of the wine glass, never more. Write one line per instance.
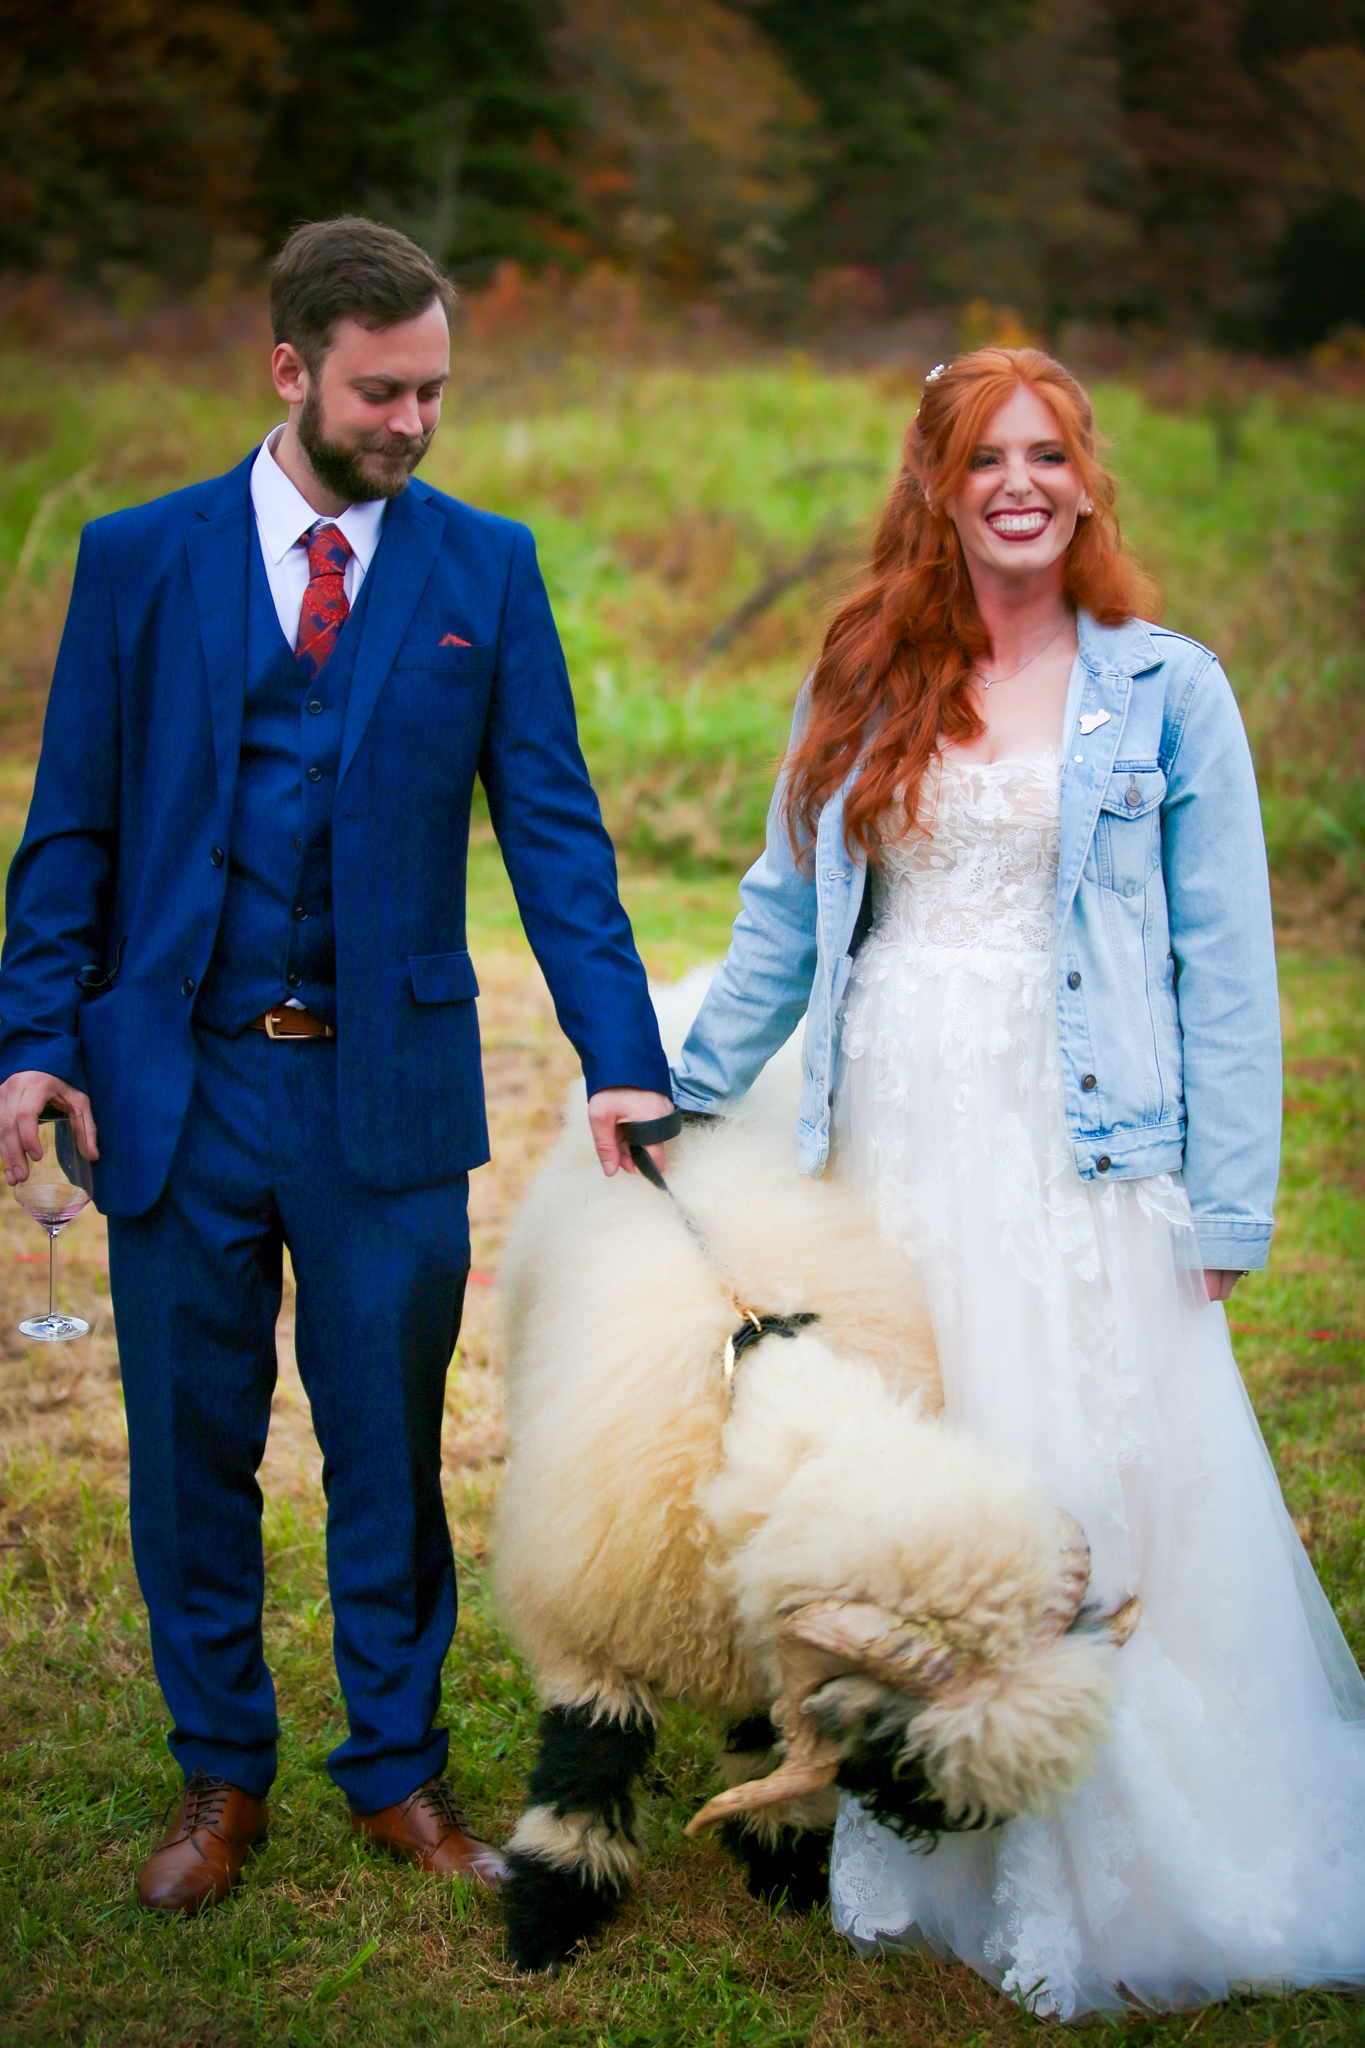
(58, 1187)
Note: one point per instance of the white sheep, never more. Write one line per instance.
(797, 1544)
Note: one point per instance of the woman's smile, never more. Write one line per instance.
(1020, 525)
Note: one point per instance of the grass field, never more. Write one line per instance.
(662, 498)
(666, 498)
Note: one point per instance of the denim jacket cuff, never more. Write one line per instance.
(1232, 1244)
(686, 1097)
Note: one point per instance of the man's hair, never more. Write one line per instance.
(349, 269)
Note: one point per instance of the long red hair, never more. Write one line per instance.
(892, 676)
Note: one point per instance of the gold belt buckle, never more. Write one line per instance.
(272, 1018)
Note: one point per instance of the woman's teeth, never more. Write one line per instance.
(1018, 525)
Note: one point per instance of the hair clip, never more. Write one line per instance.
(937, 371)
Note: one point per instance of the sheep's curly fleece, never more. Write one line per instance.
(651, 1534)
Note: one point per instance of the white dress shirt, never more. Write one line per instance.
(284, 519)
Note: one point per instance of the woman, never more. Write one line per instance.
(1015, 879)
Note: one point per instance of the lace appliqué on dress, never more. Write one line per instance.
(1219, 1841)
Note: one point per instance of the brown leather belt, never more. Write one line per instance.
(284, 1022)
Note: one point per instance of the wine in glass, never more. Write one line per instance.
(58, 1187)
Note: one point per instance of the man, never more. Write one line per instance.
(236, 943)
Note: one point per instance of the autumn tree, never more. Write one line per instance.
(890, 78)
(128, 133)
(148, 136)
(444, 117)
(697, 140)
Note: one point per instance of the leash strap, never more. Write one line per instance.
(656, 1131)
(755, 1327)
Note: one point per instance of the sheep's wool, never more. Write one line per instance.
(657, 1523)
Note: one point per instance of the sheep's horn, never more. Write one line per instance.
(809, 1766)
(830, 1637)
(1119, 1625)
(1065, 1604)
(824, 1640)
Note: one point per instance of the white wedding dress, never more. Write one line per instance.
(1221, 1841)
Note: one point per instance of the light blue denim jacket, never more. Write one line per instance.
(1167, 1004)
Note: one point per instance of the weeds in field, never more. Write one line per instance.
(681, 509)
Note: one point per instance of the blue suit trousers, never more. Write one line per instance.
(196, 1284)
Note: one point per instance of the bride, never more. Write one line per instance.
(1015, 879)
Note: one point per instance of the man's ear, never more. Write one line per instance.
(290, 373)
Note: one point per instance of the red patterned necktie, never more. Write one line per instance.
(324, 602)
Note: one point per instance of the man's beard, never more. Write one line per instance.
(337, 466)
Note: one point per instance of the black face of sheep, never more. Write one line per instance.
(797, 1543)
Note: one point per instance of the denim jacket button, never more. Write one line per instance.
(1103, 1163)
(1073, 979)
(1088, 1082)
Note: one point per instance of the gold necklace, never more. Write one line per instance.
(989, 682)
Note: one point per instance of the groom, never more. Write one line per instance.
(236, 942)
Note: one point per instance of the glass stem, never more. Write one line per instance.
(51, 1271)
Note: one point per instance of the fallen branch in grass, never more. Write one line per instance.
(1322, 1336)
(833, 546)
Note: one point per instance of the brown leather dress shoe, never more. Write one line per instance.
(429, 1829)
(201, 1855)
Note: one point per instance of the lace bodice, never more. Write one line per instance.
(984, 878)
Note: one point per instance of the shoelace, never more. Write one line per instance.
(205, 1798)
(439, 1800)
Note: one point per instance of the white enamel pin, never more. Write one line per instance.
(1092, 722)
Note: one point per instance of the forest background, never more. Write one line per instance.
(1170, 163)
(707, 253)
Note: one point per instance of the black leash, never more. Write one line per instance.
(755, 1327)
(657, 1131)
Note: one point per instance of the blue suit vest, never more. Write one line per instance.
(276, 937)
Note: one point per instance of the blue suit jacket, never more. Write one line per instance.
(121, 866)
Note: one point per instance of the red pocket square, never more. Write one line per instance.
(451, 640)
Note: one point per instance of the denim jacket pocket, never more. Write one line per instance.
(1128, 834)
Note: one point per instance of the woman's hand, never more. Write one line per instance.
(1220, 1282)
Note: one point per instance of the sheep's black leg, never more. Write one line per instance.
(574, 1851)
(786, 1867)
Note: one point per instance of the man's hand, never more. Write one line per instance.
(22, 1099)
(1220, 1282)
(613, 1106)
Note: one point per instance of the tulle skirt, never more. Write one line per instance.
(1221, 1842)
